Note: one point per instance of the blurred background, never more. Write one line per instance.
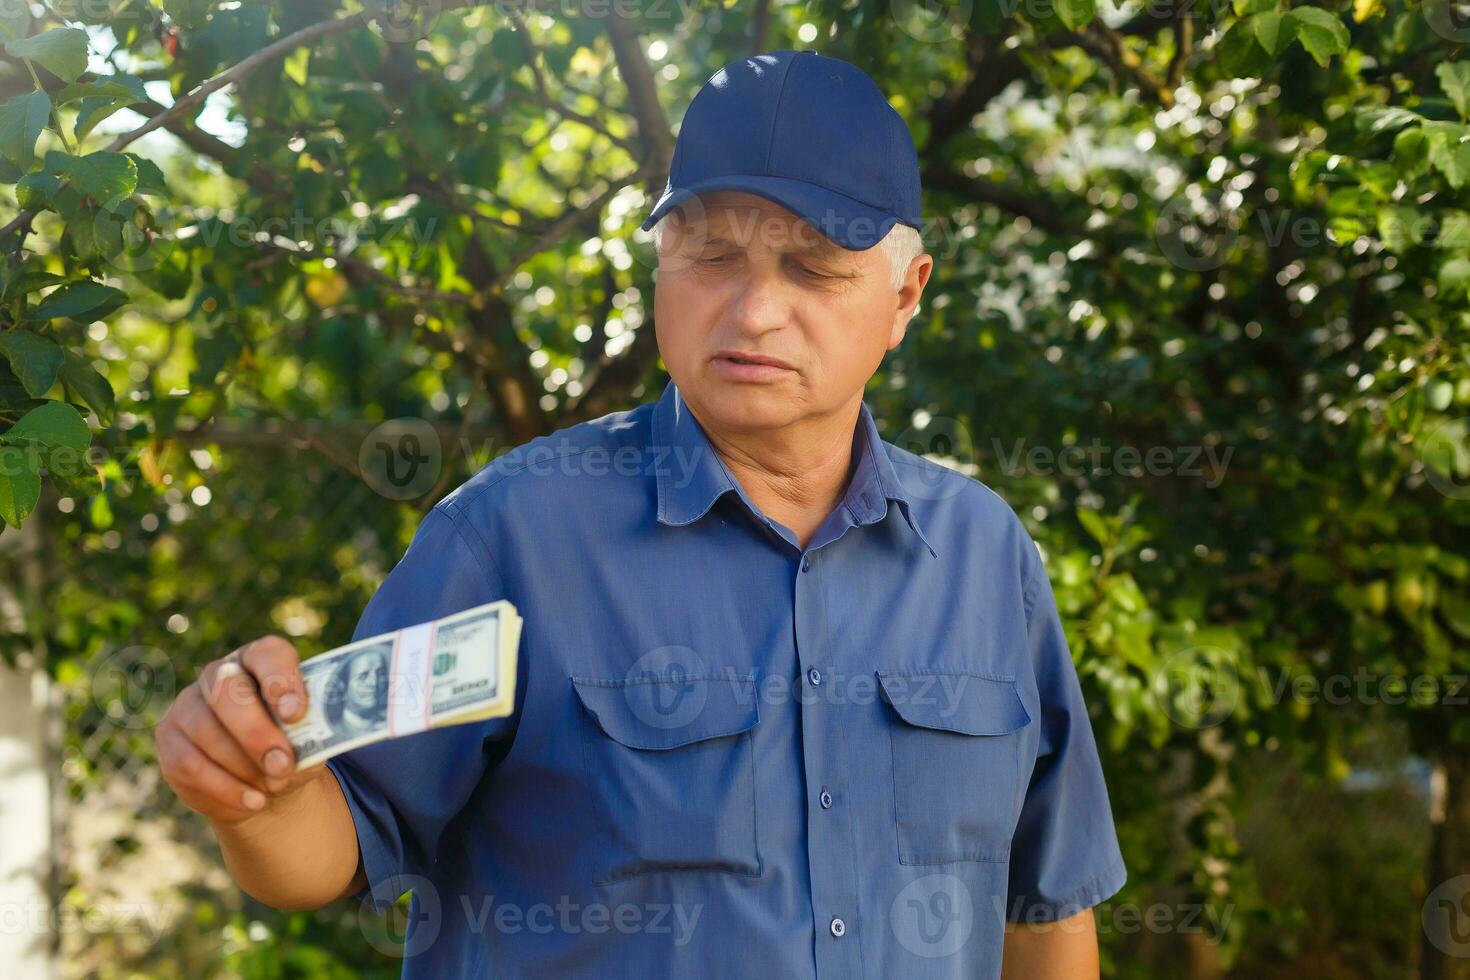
(278, 275)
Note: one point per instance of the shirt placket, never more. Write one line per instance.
(831, 839)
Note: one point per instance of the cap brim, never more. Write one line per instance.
(848, 222)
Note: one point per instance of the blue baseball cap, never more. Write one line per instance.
(814, 134)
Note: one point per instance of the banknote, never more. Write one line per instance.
(449, 671)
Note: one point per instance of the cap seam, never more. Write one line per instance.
(776, 115)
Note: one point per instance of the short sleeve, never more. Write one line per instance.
(1065, 855)
(404, 792)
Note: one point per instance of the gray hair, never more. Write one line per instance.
(902, 245)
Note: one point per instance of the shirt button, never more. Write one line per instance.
(806, 564)
(839, 928)
(815, 676)
(826, 799)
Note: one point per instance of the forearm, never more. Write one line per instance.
(301, 853)
(1065, 950)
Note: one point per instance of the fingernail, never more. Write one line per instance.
(253, 799)
(276, 762)
(288, 705)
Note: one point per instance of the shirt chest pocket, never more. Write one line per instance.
(671, 770)
(957, 744)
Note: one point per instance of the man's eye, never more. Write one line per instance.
(713, 259)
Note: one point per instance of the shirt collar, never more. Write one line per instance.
(691, 476)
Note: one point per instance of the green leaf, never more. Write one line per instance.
(97, 89)
(1093, 522)
(34, 359)
(1449, 153)
(34, 191)
(150, 177)
(54, 424)
(28, 282)
(110, 178)
(20, 485)
(84, 300)
(1384, 118)
(1321, 33)
(1241, 55)
(1454, 78)
(296, 65)
(1273, 30)
(89, 385)
(94, 109)
(188, 14)
(1245, 7)
(61, 51)
(15, 21)
(1411, 152)
(21, 121)
(1454, 275)
(1400, 228)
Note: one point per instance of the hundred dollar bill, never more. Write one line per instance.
(447, 672)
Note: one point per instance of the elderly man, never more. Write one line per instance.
(794, 702)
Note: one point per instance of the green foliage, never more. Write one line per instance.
(1237, 234)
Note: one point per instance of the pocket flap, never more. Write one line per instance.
(667, 712)
(967, 704)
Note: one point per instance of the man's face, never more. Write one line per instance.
(367, 683)
(748, 275)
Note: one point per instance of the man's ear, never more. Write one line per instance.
(908, 296)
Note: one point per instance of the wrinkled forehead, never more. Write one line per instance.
(749, 220)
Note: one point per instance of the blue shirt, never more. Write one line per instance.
(732, 756)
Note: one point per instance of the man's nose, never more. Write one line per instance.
(763, 301)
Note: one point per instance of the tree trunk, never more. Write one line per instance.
(1445, 916)
(27, 873)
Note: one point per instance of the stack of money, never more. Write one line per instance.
(450, 671)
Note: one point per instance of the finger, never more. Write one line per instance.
(276, 667)
(203, 783)
(209, 735)
(236, 702)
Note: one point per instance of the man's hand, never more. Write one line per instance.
(220, 745)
